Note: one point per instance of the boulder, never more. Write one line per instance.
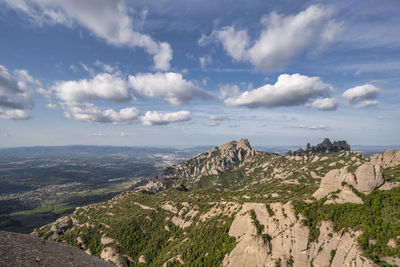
(111, 254)
(368, 177)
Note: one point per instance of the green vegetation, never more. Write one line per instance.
(148, 229)
(257, 224)
(142, 231)
(269, 209)
(378, 218)
(333, 253)
(392, 174)
(55, 209)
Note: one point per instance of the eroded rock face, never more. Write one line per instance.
(389, 159)
(368, 177)
(333, 181)
(289, 241)
(111, 254)
(213, 162)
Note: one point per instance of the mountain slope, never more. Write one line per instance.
(236, 206)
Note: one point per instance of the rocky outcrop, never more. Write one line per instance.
(390, 158)
(213, 162)
(366, 178)
(27, 250)
(325, 147)
(289, 241)
(110, 254)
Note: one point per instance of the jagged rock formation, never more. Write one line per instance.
(289, 241)
(27, 250)
(213, 212)
(390, 158)
(366, 178)
(325, 147)
(213, 162)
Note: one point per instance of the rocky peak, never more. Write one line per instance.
(325, 147)
(213, 162)
(234, 145)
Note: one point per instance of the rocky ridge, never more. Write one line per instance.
(213, 162)
(325, 147)
(252, 219)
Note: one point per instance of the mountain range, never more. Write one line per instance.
(235, 206)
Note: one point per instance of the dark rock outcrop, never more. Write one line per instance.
(325, 147)
(28, 250)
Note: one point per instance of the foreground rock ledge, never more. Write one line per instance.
(26, 250)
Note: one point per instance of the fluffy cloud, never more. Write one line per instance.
(91, 113)
(16, 92)
(75, 98)
(78, 98)
(158, 118)
(102, 86)
(106, 19)
(234, 42)
(325, 104)
(170, 86)
(281, 39)
(363, 95)
(289, 90)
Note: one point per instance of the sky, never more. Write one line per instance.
(195, 72)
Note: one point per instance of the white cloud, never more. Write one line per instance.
(204, 61)
(361, 93)
(99, 135)
(158, 118)
(215, 120)
(325, 104)
(91, 113)
(16, 92)
(102, 86)
(367, 103)
(170, 86)
(281, 40)
(234, 42)
(227, 90)
(109, 20)
(14, 114)
(51, 106)
(311, 128)
(75, 98)
(289, 90)
(106, 67)
(88, 69)
(212, 123)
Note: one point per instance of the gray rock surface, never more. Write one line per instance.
(27, 250)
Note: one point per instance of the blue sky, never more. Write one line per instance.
(191, 72)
